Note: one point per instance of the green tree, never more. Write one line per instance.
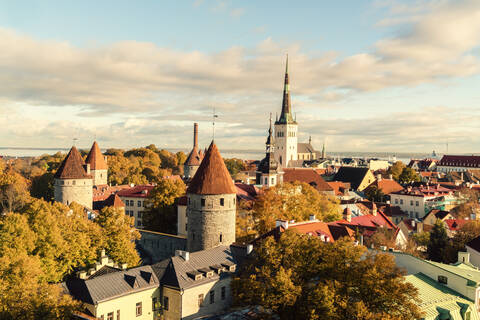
(374, 194)
(161, 214)
(42, 186)
(234, 166)
(408, 175)
(120, 236)
(396, 170)
(300, 277)
(438, 242)
(293, 201)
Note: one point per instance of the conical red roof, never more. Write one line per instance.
(193, 158)
(95, 158)
(212, 177)
(72, 167)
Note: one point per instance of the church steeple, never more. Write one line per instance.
(286, 115)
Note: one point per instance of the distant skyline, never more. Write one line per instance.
(382, 75)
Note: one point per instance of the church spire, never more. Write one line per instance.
(286, 115)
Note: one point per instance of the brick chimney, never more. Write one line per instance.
(195, 134)
(347, 214)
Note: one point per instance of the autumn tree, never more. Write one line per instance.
(300, 277)
(13, 191)
(244, 222)
(374, 194)
(469, 205)
(119, 235)
(161, 214)
(234, 166)
(293, 201)
(408, 175)
(396, 170)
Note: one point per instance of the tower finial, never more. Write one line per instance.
(286, 65)
(214, 115)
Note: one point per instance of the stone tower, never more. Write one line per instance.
(194, 159)
(73, 181)
(268, 174)
(98, 165)
(211, 204)
(286, 129)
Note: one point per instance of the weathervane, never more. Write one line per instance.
(75, 141)
(213, 123)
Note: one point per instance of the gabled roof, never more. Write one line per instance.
(314, 228)
(305, 148)
(140, 191)
(212, 177)
(95, 158)
(72, 167)
(386, 185)
(369, 220)
(455, 224)
(439, 214)
(460, 161)
(112, 284)
(307, 175)
(354, 175)
(113, 200)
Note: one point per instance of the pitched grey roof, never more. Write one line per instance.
(176, 273)
(305, 148)
(111, 285)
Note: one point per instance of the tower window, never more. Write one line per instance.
(74, 182)
(212, 297)
(203, 202)
(222, 202)
(221, 237)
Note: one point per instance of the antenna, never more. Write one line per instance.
(447, 145)
(213, 123)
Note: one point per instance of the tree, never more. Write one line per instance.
(42, 186)
(13, 191)
(161, 213)
(396, 170)
(119, 235)
(234, 166)
(300, 277)
(438, 242)
(293, 201)
(408, 175)
(374, 194)
(470, 204)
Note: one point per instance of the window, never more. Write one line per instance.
(138, 309)
(224, 293)
(222, 202)
(396, 201)
(266, 180)
(139, 214)
(139, 203)
(273, 181)
(139, 223)
(212, 297)
(118, 314)
(110, 316)
(416, 203)
(165, 303)
(154, 304)
(411, 202)
(203, 202)
(186, 226)
(401, 201)
(233, 200)
(221, 237)
(74, 182)
(200, 300)
(443, 279)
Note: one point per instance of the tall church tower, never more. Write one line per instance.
(73, 181)
(268, 174)
(286, 129)
(98, 165)
(211, 204)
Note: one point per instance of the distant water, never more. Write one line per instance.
(230, 153)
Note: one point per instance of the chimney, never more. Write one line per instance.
(283, 223)
(374, 209)
(379, 177)
(347, 214)
(195, 134)
(463, 257)
(183, 254)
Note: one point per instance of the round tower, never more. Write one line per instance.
(211, 204)
(98, 165)
(73, 181)
(194, 159)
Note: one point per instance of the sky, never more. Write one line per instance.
(380, 75)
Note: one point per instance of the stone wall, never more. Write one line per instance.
(156, 246)
(99, 177)
(189, 171)
(80, 191)
(211, 224)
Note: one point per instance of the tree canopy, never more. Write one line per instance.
(293, 201)
(300, 277)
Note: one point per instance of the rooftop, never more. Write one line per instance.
(72, 167)
(95, 158)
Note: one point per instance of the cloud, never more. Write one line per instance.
(237, 12)
(139, 80)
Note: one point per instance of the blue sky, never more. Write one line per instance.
(379, 75)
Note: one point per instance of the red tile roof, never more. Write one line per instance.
(140, 191)
(316, 229)
(95, 158)
(386, 185)
(455, 224)
(425, 191)
(460, 161)
(339, 187)
(193, 158)
(307, 175)
(212, 177)
(102, 192)
(72, 167)
(369, 221)
(246, 191)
